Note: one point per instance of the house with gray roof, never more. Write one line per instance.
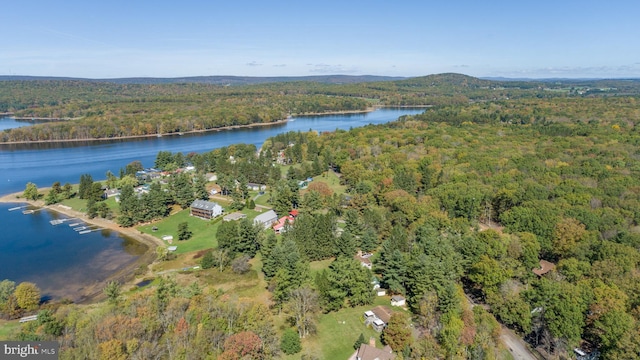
(205, 209)
(266, 219)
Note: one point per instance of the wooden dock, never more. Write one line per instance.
(18, 208)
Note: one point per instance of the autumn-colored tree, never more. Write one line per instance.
(243, 345)
(397, 334)
(567, 234)
(112, 350)
(321, 187)
(27, 295)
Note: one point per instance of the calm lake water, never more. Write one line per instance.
(10, 123)
(44, 164)
(64, 263)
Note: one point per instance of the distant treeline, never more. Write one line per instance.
(113, 110)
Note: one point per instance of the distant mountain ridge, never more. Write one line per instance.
(218, 79)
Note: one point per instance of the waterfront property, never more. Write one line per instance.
(205, 209)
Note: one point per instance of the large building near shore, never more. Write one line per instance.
(205, 209)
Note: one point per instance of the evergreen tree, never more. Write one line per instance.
(128, 207)
(290, 343)
(207, 261)
(182, 190)
(183, 231)
(84, 188)
(227, 235)
(359, 341)
(269, 259)
(248, 238)
(199, 187)
(368, 240)
(92, 209)
(112, 290)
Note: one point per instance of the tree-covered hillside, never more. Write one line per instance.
(98, 110)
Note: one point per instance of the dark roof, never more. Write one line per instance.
(203, 204)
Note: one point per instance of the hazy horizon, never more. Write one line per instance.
(119, 39)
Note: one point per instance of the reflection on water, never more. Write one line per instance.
(61, 261)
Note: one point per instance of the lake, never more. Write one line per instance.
(61, 261)
(64, 263)
(44, 164)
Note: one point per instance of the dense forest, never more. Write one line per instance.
(458, 205)
(98, 110)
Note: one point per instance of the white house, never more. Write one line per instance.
(398, 300)
(266, 219)
(256, 187)
(205, 209)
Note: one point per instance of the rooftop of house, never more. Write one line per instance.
(267, 216)
(235, 216)
(368, 352)
(382, 312)
(203, 204)
(545, 267)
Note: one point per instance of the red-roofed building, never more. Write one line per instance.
(281, 226)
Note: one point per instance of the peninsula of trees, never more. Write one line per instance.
(105, 110)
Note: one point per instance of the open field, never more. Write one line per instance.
(337, 331)
(204, 231)
(8, 329)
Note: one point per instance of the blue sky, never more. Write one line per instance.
(109, 39)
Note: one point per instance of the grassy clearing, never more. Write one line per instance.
(317, 266)
(204, 232)
(332, 180)
(76, 204)
(337, 331)
(250, 285)
(262, 199)
(8, 329)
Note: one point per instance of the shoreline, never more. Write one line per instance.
(127, 275)
(223, 128)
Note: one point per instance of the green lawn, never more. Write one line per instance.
(76, 204)
(204, 232)
(8, 329)
(337, 331)
(262, 199)
(332, 180)
(317, 266)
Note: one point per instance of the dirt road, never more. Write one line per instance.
(516, 345)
